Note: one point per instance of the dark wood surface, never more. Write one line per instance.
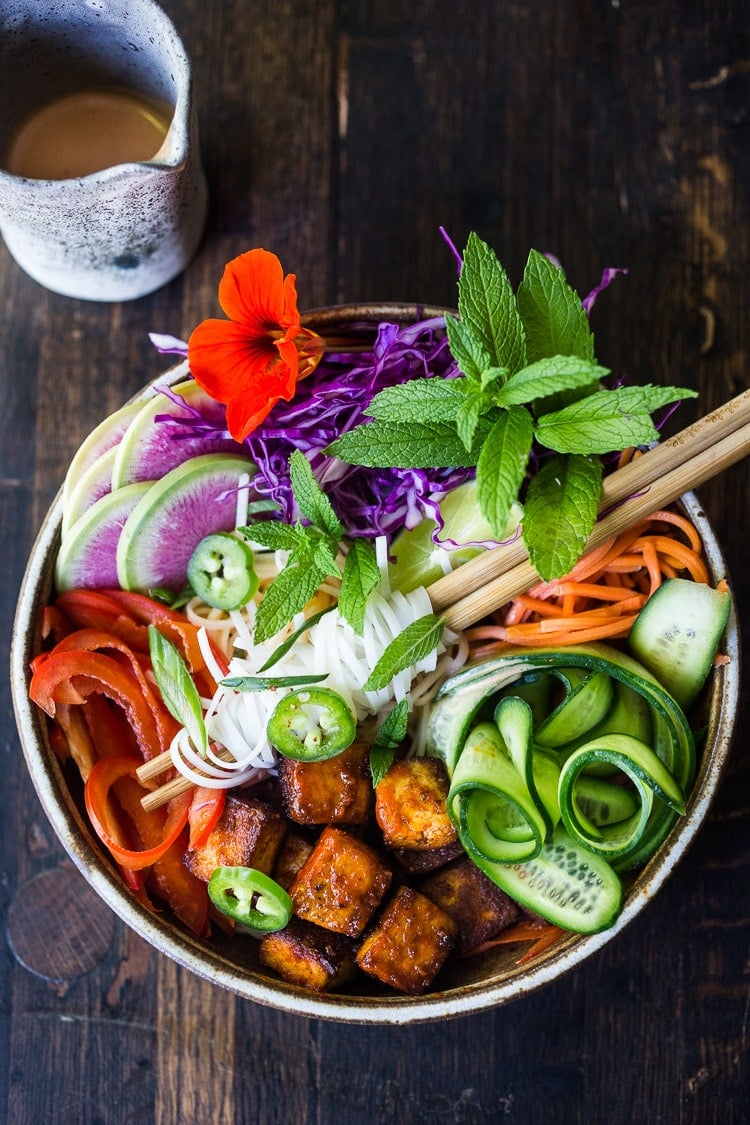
(342, 135)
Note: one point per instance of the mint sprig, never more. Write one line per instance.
(391, 734)
(312, 549)
(527, 378)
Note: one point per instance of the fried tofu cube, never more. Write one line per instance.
(479, 908)
(410, 805)
(335, 791)
(293, 852)
(408, 943)
(248, 834)
(422, 862)
(309, 956)
(341, 885)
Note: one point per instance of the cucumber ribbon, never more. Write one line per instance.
(523, 766)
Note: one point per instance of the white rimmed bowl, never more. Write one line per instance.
(466, 986)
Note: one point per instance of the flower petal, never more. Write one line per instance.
(254, 292)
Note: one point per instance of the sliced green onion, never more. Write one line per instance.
(177, 689)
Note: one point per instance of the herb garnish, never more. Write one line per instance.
(528, 379)
(391, 734)
(177, 688)
(313, 548)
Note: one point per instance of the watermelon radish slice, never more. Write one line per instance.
(105, 436)
(88, 554)
(190, 502)
(150, 449)
(94, 483)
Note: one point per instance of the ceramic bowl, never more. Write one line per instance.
(469, 985)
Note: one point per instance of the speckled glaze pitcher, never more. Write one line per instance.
(121, 232)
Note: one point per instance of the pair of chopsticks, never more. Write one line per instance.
(630, 494)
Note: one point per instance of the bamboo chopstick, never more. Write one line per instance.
(632, 493)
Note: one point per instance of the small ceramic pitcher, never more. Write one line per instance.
(121, 232)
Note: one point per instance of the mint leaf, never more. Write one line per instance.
(421, 400)
(502, 465)
(323, 559)
(361, 576)
(467, 416)
(404, 445)
(410, 646)
(391, 734)
(177, 689)
(275, 535)
(608, 420)
(553, 316)
(560, 511)
(487, 305)
(289, 593)
(549, 376)
(467, 348)
(311, 499)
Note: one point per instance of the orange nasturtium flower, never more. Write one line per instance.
(254, 358)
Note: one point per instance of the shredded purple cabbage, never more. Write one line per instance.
(333, 400)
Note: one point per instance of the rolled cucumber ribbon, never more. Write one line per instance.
(649, 777)
(661, 773)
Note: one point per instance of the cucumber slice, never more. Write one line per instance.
(677, 634)
(192, 501)
(566, 884)
(586, 705)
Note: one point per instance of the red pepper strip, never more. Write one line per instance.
(205, 811)
(169, 878)
(95, 640)
(96, 792)
(178, 628)
(55, 623)
(76, 734)
(109, 729)
(96, 610)
(70, 677)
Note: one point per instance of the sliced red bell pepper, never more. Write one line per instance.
(102, 778)
(169, 878)
(70, 677)
(96, 640)
(97, 610)
(205, 810)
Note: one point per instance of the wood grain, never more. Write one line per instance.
(342, 135)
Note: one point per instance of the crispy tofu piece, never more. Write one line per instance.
(335, 791)
(248, 834)
(418, 862)
(408, 943)
(341, 884)
(479, 908)
(410, 805)
(307, 955)
(293, 852)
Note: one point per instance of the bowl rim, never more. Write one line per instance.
(208, 962)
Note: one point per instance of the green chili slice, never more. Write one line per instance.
(221, 570)
(249, 897)
(311, 724)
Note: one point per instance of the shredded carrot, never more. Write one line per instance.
(604, 592)
(542, 934)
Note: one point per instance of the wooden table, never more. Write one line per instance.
(342, 135)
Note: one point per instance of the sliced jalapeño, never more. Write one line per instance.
(312, 724)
